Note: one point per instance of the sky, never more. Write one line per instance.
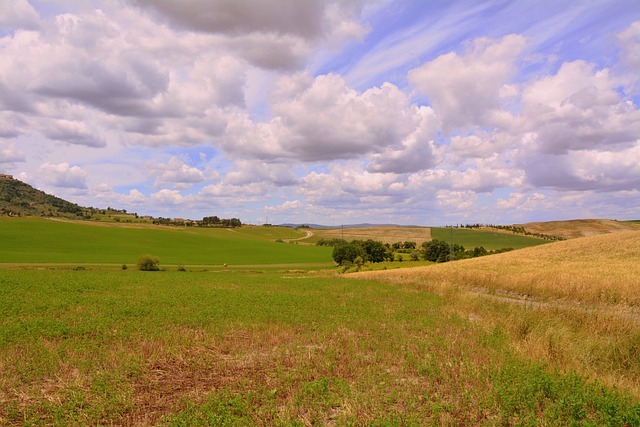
(422, 112)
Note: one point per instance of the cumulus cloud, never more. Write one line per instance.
(272, 34)
(73, 132)
(585, 170)
(10, 154)
(167, 197)
(299, 17)
(175, 172)
(418, 150)
(579, 108)
(459, 200)
(465, 89)
(521, 201)
(324, 119)
(280, 175)
(629, 41)
(63, 175)
(18, 14)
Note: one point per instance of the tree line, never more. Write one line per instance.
(516, 230)
(359, 252)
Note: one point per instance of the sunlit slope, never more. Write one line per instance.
(603, 268)
(580, 227)
(489, 239)
(385, 234)
(47, 241)
(391, 234)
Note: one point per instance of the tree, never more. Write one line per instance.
(148, 263)
(436, 251)
(375, 251)
(347, 252)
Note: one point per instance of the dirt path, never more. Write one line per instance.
(632, 313)
(308, 233)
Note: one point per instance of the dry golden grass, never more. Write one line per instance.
(579, 227)
(596, 269)
(585, 311)
(384, 234)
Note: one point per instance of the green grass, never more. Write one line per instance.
(489, 239)
(260, 348)
(37, 240)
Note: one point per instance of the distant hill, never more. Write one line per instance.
(363, 225)
(580, 227)
(20, 199)
(596, 269)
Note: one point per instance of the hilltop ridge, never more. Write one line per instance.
(20, 199)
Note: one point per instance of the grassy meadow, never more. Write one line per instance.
(39, 240)
(278, 348)
(490, 240)
(286, 341)
(384, 234)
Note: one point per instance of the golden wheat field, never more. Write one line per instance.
(596, 269)
(579, 227)
(384, 234)
(584, 310)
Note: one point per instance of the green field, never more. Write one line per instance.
(198, 348)
(489, 239)
(38, 240)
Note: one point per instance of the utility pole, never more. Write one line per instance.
(453, 254)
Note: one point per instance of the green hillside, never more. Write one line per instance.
(40, 240)
(19, 198)
(488, 239)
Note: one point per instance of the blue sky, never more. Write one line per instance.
(409, 112)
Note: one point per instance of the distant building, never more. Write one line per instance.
(5, 176)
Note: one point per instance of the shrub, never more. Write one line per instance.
(181, 268)
(148, 263)
(124, 266)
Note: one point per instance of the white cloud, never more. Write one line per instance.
(629, 40)
(524, 202)
(176, 172)
(323, 119)
(248, 172)
(18, 14)
(10, 154)
(62, 175)
(167, 197)
(458, 200)
(465, 90)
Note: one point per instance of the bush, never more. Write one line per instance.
(148, 263)
(124, 266)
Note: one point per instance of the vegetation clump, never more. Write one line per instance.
(148, 263)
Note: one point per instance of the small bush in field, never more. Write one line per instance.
(148, 263)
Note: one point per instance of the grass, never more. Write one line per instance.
(581, 227)
(490, 240)
(572, 303)
(384, 234)
(596, 269)
(37, 240)
(268, 348)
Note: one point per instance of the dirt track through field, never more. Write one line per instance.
(632, 313)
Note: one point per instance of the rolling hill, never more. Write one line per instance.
(580, 227)
(19, 198)
(44, 240)
(595, 269)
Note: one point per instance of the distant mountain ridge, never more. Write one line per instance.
(20, 199)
